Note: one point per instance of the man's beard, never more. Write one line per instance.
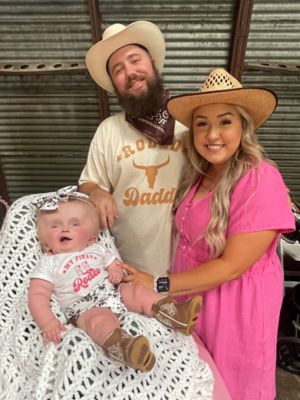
(146, 104)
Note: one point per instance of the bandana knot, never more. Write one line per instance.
(158, 127)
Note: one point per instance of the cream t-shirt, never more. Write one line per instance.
(142, 177)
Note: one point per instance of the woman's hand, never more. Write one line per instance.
(136, 276)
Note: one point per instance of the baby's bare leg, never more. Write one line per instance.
(102, 325)
(180, 316)
(98, 323)
(138, 298)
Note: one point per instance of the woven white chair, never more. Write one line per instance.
(77, 368)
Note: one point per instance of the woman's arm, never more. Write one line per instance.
(240, 253)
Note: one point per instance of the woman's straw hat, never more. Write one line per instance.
(142, 33)
(221, 87)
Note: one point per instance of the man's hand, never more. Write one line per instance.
(137, 277)
(106, 206)
(52, 331)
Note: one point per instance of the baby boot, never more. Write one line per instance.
(180, 316)
(131, 350)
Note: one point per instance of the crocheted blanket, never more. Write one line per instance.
(77, 368)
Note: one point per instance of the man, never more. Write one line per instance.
(136, 156)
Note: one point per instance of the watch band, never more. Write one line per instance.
(161, 284)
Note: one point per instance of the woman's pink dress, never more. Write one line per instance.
(239, 319)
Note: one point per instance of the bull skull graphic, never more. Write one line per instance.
(151, 171)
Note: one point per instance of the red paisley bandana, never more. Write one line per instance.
(158, 127)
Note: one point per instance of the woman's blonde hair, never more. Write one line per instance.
(248, 155)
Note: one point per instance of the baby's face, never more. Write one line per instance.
(72, 227)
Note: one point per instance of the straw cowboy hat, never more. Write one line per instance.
(143, 33)
(221, 87)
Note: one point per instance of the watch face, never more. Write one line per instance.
(163, 284)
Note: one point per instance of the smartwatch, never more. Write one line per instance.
(161, 284)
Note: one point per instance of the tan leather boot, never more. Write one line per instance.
(180, 316)
(130, 350)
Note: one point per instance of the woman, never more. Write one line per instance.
(232, 207)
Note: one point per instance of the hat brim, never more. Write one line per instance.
(143, 33)
(259, 103)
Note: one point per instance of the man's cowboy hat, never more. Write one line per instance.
(221, 87)
(143, 33)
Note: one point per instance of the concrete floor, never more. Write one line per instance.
(288, 385)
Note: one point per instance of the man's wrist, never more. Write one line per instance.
(161, 284)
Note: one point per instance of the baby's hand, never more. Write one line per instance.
(115, 273)
(52, 331)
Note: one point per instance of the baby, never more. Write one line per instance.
(86, 278)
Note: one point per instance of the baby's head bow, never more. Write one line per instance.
(49, 201)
